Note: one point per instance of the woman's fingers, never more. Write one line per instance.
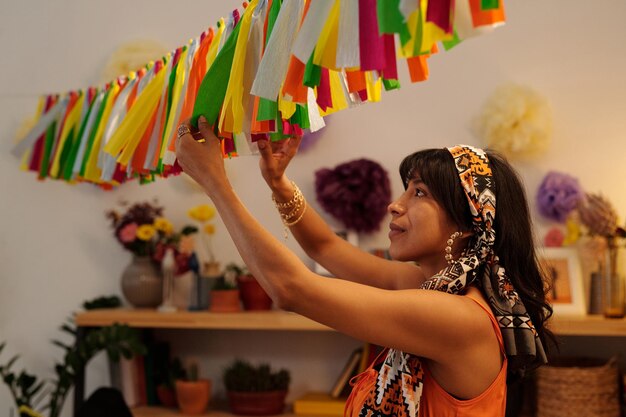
(293, 145)
(205, 129)
(265, 149)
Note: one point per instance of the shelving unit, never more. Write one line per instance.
(592, 325)
(169, 412)
(281, 320)
(285, 321)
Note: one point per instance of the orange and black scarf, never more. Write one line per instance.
(394, 388)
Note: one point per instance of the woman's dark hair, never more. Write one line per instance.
(514, 242)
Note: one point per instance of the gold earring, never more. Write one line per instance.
(449, 243)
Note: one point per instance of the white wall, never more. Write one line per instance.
(56, 248)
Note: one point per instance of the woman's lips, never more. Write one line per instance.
(395, 230)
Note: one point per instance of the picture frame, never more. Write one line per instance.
(565, 288)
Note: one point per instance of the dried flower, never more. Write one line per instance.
(554, 238)
(558, 195)
(145, 232)
(598, 215)
(357, 193)
(515, 120)
(572, 232)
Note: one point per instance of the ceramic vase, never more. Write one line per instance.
(142, 283)
(225, 301)
(614, 276)
(253, 295)
(193, 396)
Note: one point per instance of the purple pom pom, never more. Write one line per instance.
(356, 193)
(558, 195)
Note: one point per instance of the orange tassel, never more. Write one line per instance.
(362, 386)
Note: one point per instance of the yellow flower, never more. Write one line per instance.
(163, 225)
(572, 233)
(146, 232)
(209, 229)
(202, 213)
(29, 411)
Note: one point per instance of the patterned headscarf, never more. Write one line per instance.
(401, 374)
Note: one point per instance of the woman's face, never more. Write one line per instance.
(419, 228)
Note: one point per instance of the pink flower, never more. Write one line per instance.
(128, 233)
(554, 238)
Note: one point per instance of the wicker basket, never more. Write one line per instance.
(578, 387)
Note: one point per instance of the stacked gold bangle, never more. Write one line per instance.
(294, 208)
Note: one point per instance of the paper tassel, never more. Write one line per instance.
(270, 71)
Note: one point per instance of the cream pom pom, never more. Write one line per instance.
(516, 121)
(130, 57)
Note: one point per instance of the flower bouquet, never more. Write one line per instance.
(142, 230)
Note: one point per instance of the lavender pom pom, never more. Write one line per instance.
(356, 193)
(558, 195)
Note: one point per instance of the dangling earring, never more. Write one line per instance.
(448, 248)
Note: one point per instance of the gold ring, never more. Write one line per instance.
(183, 130)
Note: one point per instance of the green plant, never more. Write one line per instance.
(173, 372)
(34, 397)
(236, 269)
(244, 377)
(222, 283)
(228, 279)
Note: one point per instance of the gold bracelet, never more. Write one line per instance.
(296, 221)
(294, 206)
(297, 196)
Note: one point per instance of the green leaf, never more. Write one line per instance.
(61, 345)
(68, 329)
(187, 230)
(11, 362)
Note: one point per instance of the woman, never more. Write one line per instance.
(450, 349)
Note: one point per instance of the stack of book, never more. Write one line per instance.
(332, 403)
(138, 377)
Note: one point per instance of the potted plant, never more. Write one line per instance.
(166, 390)
(256, 390)
(225, 293)
(192, 393)
(252, 294)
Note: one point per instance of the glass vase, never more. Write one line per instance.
(142, 283)
(614, 276)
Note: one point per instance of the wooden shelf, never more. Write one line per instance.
(593, 325)
(170, 412)
(280, 320)
(148, 318)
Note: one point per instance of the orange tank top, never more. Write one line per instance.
(436, 402)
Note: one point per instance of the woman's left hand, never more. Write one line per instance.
(202, 161)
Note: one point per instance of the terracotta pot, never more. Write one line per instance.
(193, 396)
(225, 301)
(257, 403)
(167, 396)
(142, 283)
(253, 295)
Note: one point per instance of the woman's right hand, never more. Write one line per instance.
(275, 157)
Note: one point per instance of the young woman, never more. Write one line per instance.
(461, 304)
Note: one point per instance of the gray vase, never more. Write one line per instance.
(142, 283)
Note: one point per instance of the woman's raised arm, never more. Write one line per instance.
(317, 239)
